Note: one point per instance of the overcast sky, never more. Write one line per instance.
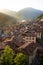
(17, 5)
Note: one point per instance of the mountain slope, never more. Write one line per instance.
(8, 12)
(41, 16)
(28, 13)
(6, 19)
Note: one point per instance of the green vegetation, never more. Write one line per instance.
(20, 59)
(41, 40)
(39, 17)
(8, 57)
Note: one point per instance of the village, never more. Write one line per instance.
(25, 37)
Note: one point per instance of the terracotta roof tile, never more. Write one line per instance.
(28, 48)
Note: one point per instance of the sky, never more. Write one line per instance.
(16, 5)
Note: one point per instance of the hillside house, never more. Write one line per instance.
(38, 34)
(6, 31)
(29, 37)
(41, 19)
(37, 30)
(29, 50)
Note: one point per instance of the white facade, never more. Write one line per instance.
(41, 19)
(30, 39)
(38, 35)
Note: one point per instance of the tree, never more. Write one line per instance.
(7, 56)
(20, 59)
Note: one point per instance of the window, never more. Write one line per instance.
(26, 37)
(33, 38)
